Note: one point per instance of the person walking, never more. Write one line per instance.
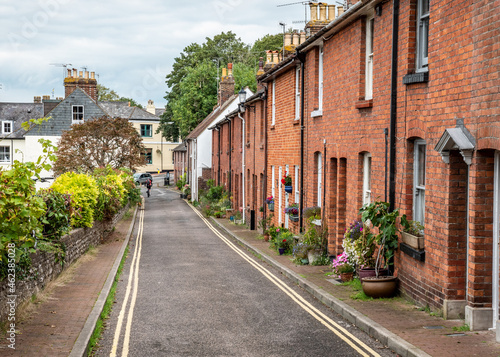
(149, 183)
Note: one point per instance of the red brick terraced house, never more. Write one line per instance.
(400, 103)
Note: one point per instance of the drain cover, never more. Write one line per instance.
(456, 334)
(434, 327)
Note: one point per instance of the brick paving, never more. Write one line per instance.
(55, 324)
(397, 315)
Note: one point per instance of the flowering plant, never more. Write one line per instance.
(292, 210)
(284, 240)
(286, 180)
(186, 189)
(342, 265)
(359, 245)
(300, 250)
(270, 199)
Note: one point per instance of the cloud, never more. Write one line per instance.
(131, 45)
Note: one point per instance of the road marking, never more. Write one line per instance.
(133, 278)
(340, 331)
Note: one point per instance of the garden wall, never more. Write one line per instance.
(44, 267)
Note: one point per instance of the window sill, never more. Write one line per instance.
(316, 113)
(362, 104)
(272, 127)
(418, 77)
(412, 252)
(296, 122)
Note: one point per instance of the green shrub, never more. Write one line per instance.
(112, 194)
(84, 193)
(57, 218)
(133, 192)
(20, 211)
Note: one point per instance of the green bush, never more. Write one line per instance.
(112, 194)
(84, 192)
(20, 211)
(57, 218)
(133, 192)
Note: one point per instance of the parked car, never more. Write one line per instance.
(140, 178)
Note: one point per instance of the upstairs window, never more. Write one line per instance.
(146, 130)
(77, 114)
(6, 127)
(148, 156)
(422, 35)
(297, 93)
(369, 58)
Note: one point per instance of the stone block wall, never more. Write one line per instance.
(44, 267)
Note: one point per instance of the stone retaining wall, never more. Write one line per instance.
(44, 267)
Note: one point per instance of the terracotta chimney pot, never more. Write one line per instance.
(269, 55)
(75, 73)
(322, 11)
(288, 39)
(340, 10)
(230, 69)
(296, 38)
(331, 12)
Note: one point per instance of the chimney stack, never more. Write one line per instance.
(322, 12)
(151, 107)
(226, 86)
(75, 79)
(37, 99)
(316, 24)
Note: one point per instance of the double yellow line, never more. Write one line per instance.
(132, 287)
(338, 330)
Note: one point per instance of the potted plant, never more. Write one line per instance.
(315, 238)
(293, 212)
(315, 212)
(360, 246)
(287, 182)
(413, 233)
(342, 267)
(270, 203)
(387, 239)
(263, 224)
(285, 239)
(300, 250)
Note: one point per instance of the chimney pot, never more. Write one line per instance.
(331, 12)
(80, 74)
(224, 73)
(74, 73)
(69, 73)
(269, 55)
(314, 11)
(92, 75)
(86, 74)
(302, 37)
(340, 10)
(288, 39)
(230, 69)
(37, 99)
(295, 38)
(322, 11)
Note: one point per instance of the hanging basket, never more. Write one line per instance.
(270, 206)
(294, 218)
(289, 189)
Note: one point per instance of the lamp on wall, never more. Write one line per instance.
(242, 97)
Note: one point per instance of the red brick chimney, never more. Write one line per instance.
(88, 85)
(226, 87)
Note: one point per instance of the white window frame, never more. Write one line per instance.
(146, 152)
(422, 30)
(418, 189)
(367, 178)
(297, 93)
(370, 25)
(319, 157)
(10, 124)
(5, 154)
(77, 121)
(273, 183)
(320, 79)
(297, 186)
(273, 113)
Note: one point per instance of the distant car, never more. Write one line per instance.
(140, 178)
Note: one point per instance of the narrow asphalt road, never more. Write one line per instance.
(187, 290)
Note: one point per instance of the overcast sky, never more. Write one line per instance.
(131, 45)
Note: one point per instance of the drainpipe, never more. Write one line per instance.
(393, 110)
(219, 155)
(243, 181)
(264, 99)
(230, 158)
(302, 59)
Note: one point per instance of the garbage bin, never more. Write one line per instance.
(166, 180)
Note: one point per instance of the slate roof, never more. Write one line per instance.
(19, 113)
(159, 111)
(122, 110)
(180, 147)
(209, 119)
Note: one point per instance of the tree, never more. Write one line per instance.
(106, 94)
(98, 143)
(193, 79)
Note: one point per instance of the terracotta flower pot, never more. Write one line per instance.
(266, 237)
(345, 277)
(367, 272)
(381, 287)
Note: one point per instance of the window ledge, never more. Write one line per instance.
(412, 252)
(296, 122)
(419, 77)
(362, 104)
(272, 127)
(316, 113)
